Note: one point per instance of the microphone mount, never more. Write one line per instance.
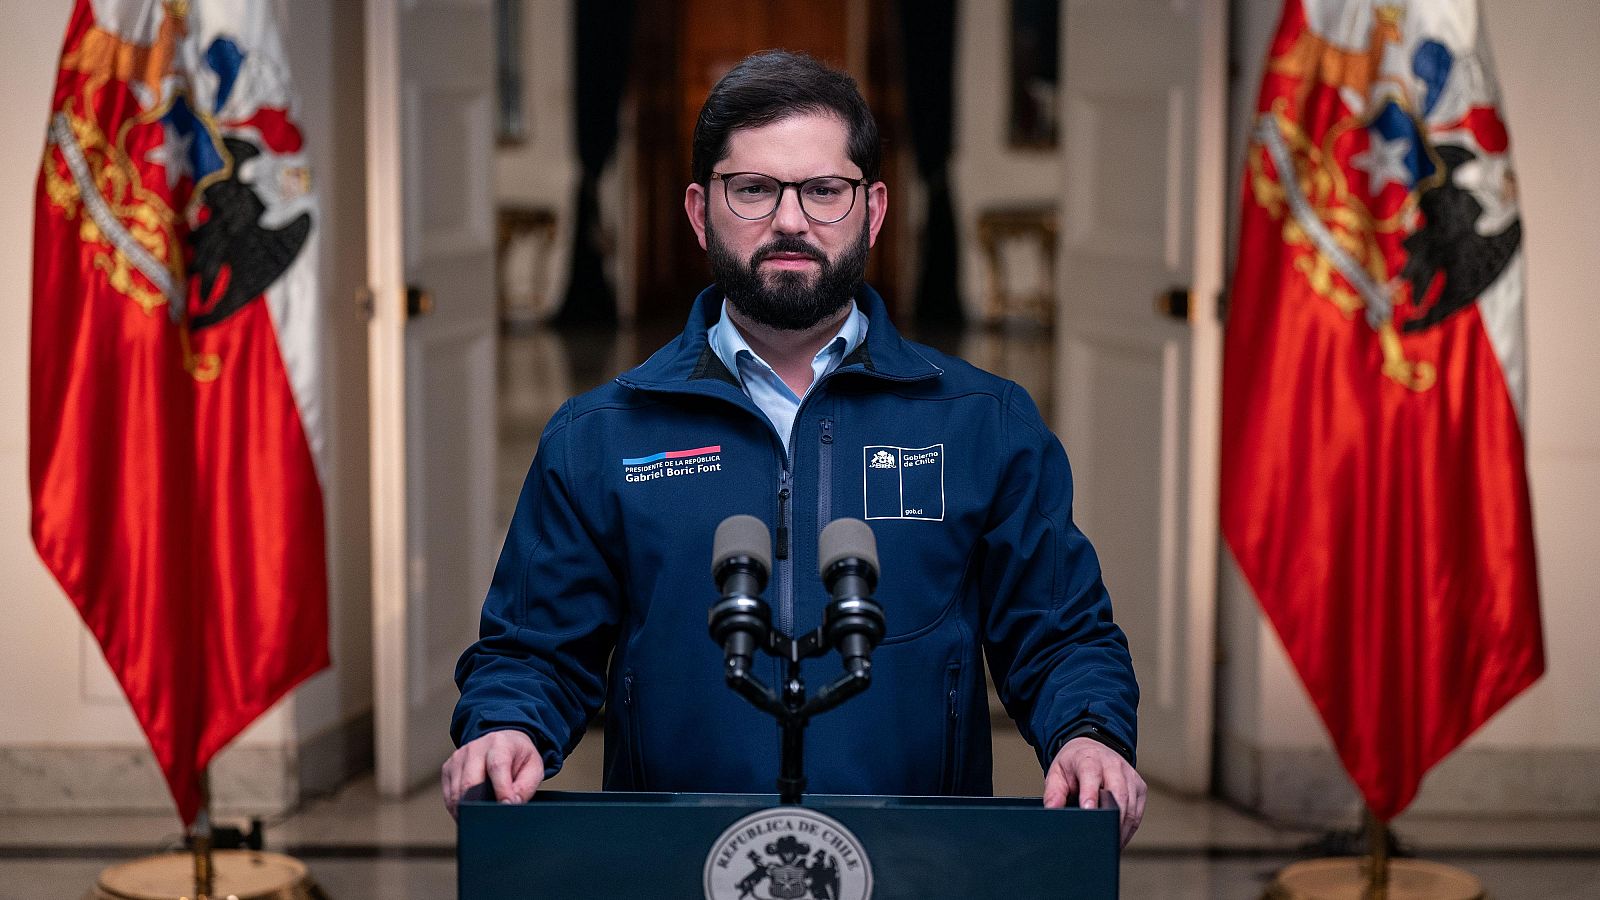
(853, 623)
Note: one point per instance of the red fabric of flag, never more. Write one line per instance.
(175, 494)
(1373, 487)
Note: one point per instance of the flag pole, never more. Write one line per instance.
(200, 835)
(1377, 857)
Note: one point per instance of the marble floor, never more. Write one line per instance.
(359, 845)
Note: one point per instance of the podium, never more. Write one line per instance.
(747, 847)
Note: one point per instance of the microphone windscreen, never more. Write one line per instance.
(741, 536)
(846, 539)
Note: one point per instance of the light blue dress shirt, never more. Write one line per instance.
(762, 384)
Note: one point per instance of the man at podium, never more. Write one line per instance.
(791, 397)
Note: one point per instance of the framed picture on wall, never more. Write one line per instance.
(1035, 72)
(511, 120)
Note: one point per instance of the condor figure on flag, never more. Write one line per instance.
(174, 409)
(1373, 488)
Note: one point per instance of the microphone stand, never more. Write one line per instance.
(741, 623)
(792, 710)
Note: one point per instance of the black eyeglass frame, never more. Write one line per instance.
(799, 194)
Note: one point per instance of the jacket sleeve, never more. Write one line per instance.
(550, 619)
(1059, 662)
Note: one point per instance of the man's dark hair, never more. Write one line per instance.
(774, 85)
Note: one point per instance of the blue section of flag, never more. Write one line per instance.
(1392, 123)
(639, 461)
(204, 155)
(1432, 63)
(225, 58)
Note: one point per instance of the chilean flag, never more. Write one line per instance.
(174, 411)
(1374, 489)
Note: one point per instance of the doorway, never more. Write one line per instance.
(682, 48)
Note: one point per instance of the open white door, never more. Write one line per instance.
(430, 139)
(1145, 120)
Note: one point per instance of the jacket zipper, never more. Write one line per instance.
(824, 474)
(785, 563)
(785, 573)
(783, 515)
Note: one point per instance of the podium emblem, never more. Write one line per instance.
(787, 853)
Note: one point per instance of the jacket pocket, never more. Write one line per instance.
(630, 705)
(950, 779)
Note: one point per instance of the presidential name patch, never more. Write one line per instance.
(673, 464)
(787, 853)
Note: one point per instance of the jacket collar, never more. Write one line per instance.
(689, 360)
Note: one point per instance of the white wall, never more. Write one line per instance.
(67, 738)
(1541, 751)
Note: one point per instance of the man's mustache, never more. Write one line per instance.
(794, 246)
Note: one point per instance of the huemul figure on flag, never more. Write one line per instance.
(174, 408)
(1373, 487)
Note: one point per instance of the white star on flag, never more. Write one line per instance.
(1384, 162)
(172, 154)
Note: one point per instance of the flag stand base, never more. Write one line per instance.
(1348, 878)
(241, 874)
(1375, 876)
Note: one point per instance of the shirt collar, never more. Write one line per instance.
(730, 345)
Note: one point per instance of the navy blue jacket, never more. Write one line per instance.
(602, 588)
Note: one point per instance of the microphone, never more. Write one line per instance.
(847, 560)
(741, 557)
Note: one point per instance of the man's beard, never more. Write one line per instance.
(788, 301)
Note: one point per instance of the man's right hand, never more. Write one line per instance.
(507, 759)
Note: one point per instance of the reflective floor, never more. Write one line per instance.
(360, 846)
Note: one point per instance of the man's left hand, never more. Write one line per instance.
(1084, 766)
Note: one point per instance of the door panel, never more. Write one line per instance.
(451, 564)
(1143, 213)
(430, 229)
(1137, 544)
(447, 195)
(1117, 152)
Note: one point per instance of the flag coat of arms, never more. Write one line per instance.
(174, 418)
(1374, 489)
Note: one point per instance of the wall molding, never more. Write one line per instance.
(245, 780)
(1308, 785)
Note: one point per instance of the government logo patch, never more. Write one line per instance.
(903, 482)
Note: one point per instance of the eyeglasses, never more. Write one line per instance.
(825, 199)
